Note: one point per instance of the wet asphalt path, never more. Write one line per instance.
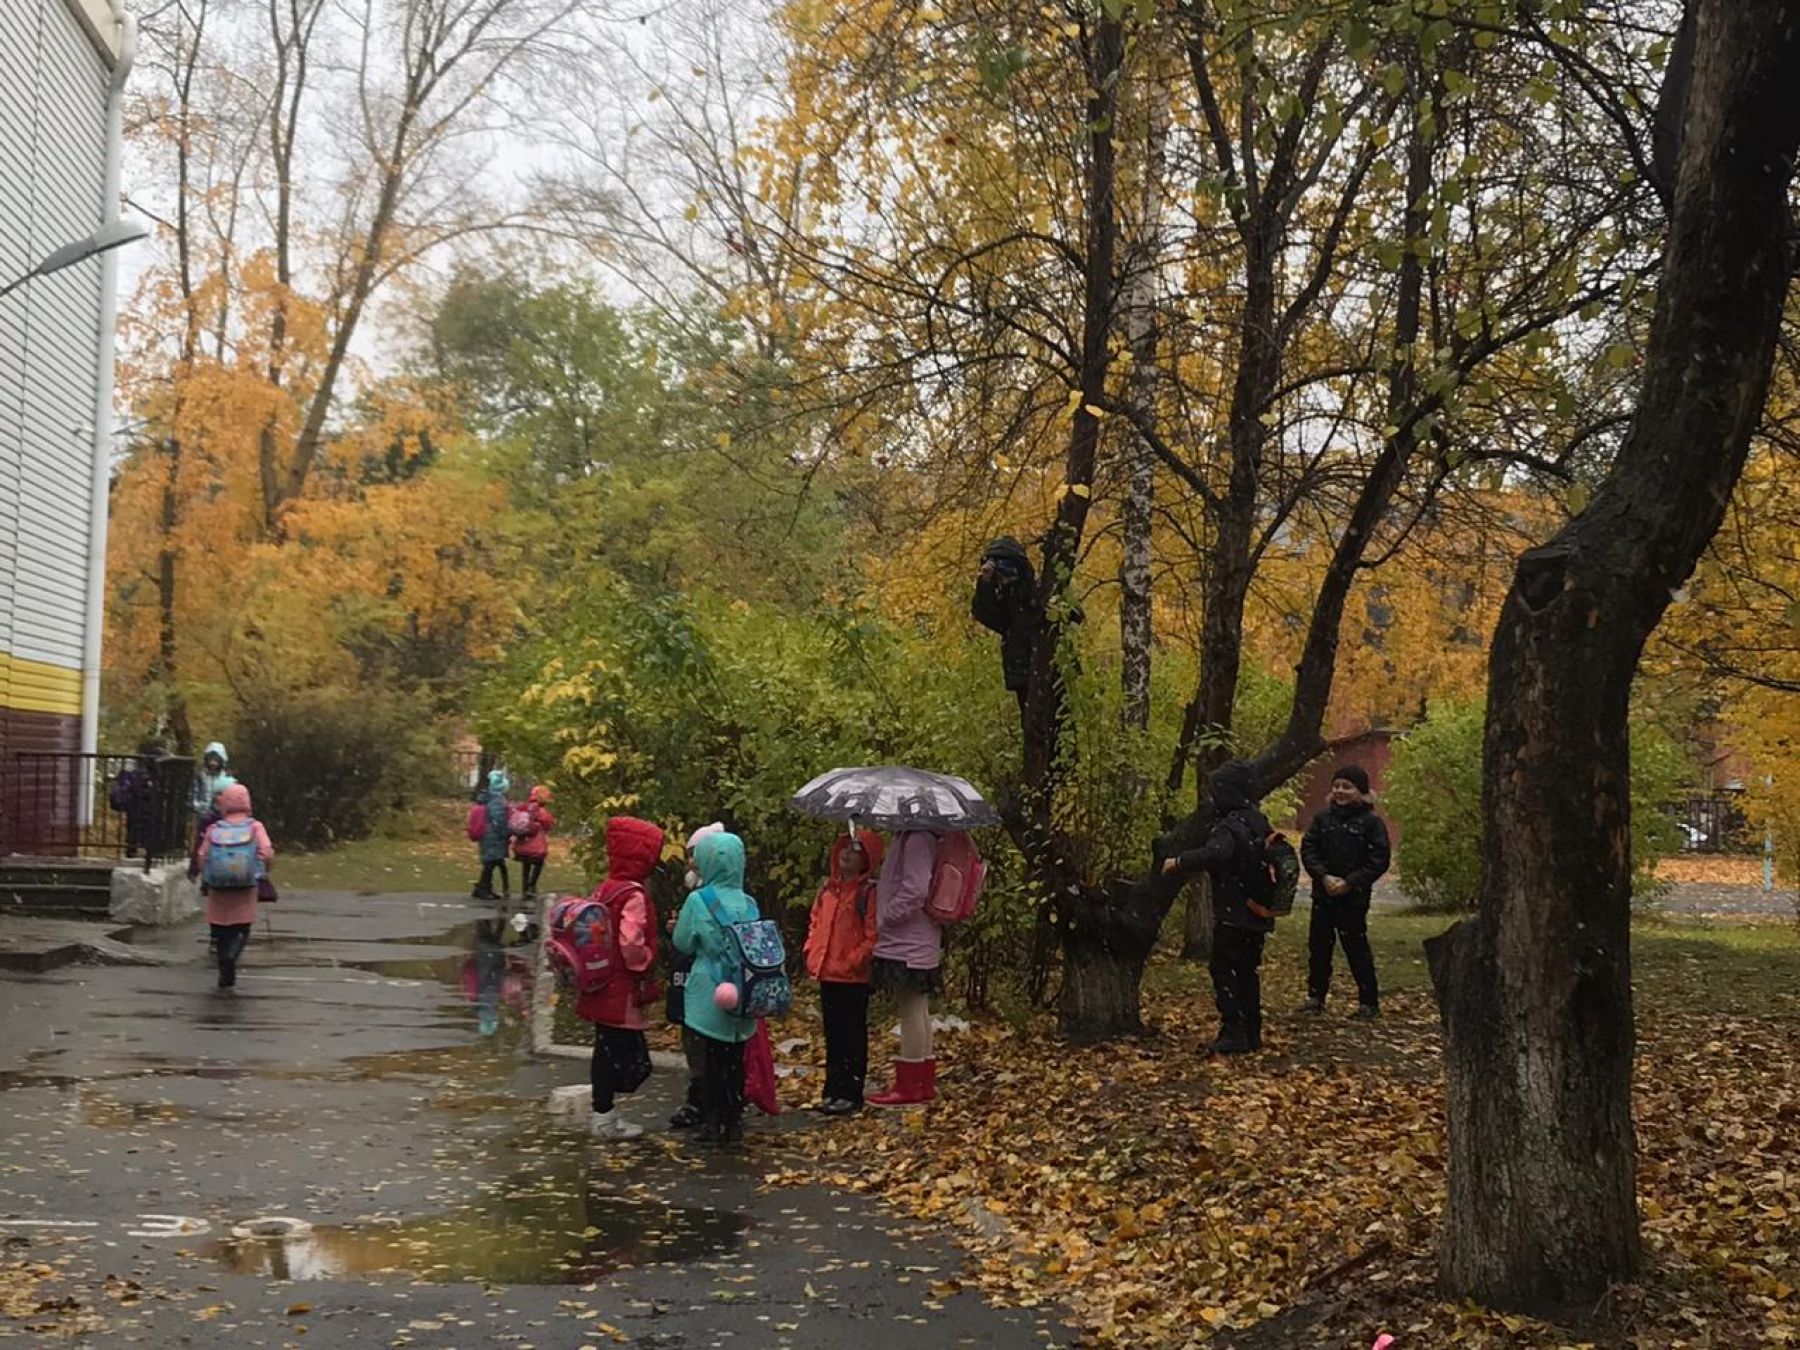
(348, 1084)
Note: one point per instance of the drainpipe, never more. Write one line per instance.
(103, 403)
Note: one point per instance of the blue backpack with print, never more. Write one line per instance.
(762, 979)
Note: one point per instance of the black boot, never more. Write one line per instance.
(687, 1117)
(732, 1134)
(1233, 1039)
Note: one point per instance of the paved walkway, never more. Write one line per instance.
(348, 1084)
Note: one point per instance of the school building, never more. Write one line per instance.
(63, 65)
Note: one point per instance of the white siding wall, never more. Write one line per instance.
(53, 86)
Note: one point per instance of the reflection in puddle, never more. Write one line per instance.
(533, 1237)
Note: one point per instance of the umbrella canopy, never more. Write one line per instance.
(895, 798)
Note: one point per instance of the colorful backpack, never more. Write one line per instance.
(583, 940)
(476, 828)
(231, 862)
(518, 822)
(956, 880)
(761, 979)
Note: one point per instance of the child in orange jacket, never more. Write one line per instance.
(840, 950)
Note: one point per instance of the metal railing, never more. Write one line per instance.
(71, 805)
(1713, 822)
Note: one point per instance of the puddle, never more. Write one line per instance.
(539, 1236)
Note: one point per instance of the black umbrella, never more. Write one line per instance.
(890, 797)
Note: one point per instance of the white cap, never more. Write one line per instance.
(703, 832)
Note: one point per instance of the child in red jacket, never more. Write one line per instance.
(533, 847)
(621, 1059)
(840, 952)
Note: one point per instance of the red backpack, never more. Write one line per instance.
(956, 880)
(477, 825)
(583, 940)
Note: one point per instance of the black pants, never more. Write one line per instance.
(724, 1087)
(486, 884)
(530, 869)
(1237, 978)
(1345, 921)
(846, 1011)
(620, 1064)
(229, 941)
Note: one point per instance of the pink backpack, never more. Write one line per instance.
(956, 880)
(518, 822)
(477, 824)
(584, 937)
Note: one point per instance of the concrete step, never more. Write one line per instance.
(41, 899)
(40, 944)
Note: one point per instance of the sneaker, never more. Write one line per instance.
(611, 1125)
(1313, 1007)
(686, 1118)
(840, 1106)
(1366, 1012)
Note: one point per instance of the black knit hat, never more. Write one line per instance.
(1353, 774)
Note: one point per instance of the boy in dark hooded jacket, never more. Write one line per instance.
(1006, 602)
(1239, 927)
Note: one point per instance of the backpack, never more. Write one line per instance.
(1269, 870)
(762, 978)
(956, 880)
(583, 938)
(518, 822)
(124, 790)
(231, 862)
(476, 827)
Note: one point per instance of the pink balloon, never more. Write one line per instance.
(725, 997)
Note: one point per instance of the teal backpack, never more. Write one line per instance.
(762, 979)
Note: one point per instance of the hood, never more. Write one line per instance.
(234, 800)
(215, 748)
(872, 846)
(633, 848)
(540, 793)
(719, 858)
(498, 781)
(1232, 786)
(1007, 548)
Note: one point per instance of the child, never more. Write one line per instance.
(909, 958)
(621, 1060)
(533, 847)
(693, 1044)
(840, 952)
(496, 839)
(702, 934)
(234, 851)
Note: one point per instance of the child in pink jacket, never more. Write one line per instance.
(227, 844)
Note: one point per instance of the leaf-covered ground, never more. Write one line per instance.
(1293, 1199)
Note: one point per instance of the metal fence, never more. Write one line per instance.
(1713, 822)
(70, 805)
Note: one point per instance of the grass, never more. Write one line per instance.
(1734, 968)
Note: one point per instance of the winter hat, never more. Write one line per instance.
(498, 781)
(1353, 774)
(234, 800)
(540, 793)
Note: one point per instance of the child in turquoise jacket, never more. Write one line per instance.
(701, 933)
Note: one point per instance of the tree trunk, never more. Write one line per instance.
(1535, 991)
(1100, 988)
(1139, 304)
(1197, 922)
(167, 655)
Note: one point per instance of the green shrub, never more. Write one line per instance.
(1433, 795)
(328, 764)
